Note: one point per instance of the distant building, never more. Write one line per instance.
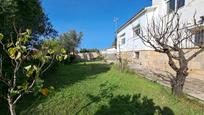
(108, 51)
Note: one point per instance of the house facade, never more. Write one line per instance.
(144, 59)
(127, 39)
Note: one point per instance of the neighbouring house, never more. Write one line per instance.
(144, 59)
(109, 54)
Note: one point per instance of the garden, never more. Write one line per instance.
(97, 88)
(40, 73)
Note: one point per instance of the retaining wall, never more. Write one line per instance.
(150, 62)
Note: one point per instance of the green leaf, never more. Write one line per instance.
(63, 50)
(17, 43)
(28, 31)
(65, 57)
(9, 45)
(51, 87)
(23, 48)
(59, 58)
(27, 67)
(18, 55)
(38, 84)
(25, 86)
(35, 67)
(30, 70)
(14, 92)
(12, 52)
(1, 36)
(51, 51)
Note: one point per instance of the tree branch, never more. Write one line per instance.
(29, 88)
(195, 54)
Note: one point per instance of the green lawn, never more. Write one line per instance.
(100, 89)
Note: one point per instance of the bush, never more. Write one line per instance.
(70, 59)
(84, 50)
(100, 58)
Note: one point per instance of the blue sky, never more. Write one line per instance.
(92, 17)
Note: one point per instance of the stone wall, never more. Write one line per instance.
(151, 63)
(110, 55)
(87, 56)
(110, 58)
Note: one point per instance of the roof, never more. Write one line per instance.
(136, 16)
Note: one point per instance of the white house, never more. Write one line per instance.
(127, 40)
(144, 59)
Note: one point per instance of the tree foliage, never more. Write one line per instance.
(71, 40)
(84, 50)
(18, 15)
(28, 63)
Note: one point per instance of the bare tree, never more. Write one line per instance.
(169, 35)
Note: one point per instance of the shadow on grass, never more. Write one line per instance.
(132, 105)
(105, 92)
(70, 74)
(64, 75)
(124, 104)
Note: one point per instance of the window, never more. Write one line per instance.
(175, 4)
(180, 3)
(136, 55)
(136, 30)
(123, 41)
(171, 6)
(199, 38)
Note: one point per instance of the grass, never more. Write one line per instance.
(98, 89)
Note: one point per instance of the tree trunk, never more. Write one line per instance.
(11, 106)
(177, 84)
(177, 89)
(120, 64)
